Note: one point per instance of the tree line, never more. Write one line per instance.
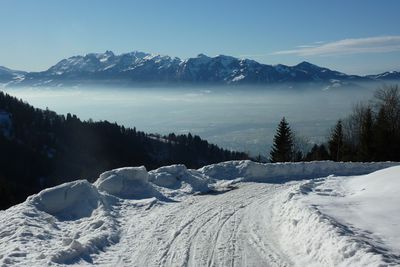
(370, 133)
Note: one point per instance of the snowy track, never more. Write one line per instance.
(229, 214)
(234, 228)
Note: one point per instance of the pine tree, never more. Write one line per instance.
(336, 142)
(282, 149)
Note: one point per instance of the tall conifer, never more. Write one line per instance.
(282, 149)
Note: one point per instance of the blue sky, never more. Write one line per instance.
(357, 37)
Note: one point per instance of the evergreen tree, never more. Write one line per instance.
(282, 149)
(336, 142)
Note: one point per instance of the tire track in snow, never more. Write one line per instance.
(187, 254)
(217, 236)
(210, 230)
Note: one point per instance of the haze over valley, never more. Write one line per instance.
(241, 119)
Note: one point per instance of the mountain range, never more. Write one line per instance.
(140, 67)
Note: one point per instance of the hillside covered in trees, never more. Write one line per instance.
(40, 149)
(370, 133)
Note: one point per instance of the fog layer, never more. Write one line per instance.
(242, 119)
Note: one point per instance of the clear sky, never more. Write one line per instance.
(353, 36)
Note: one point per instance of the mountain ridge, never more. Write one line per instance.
(141, 67)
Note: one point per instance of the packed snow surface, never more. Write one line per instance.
(236, 213)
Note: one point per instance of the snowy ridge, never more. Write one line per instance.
(388, 75)
(139, 67)
(170, 216)
(8, 75)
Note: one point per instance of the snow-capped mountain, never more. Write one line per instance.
(7, 75)
(130, 67)
(388, 75)
(140, 67)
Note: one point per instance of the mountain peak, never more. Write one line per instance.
(201, 55)
(306, 64)
(109, 53)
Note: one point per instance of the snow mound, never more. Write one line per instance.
(65, 224)
(179, 177)
(282, 172)
(129, 182)
(69, 200)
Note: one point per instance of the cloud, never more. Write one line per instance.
(379, 44)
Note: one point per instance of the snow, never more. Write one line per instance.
(66, 199)
(130, 183)
(313, 239)
(368, 203)
(236, 213)
(283, 172)
(238, 78)
(40, 233)
(178, 177)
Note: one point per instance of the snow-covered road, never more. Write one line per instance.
(233, 228)
(229, 214)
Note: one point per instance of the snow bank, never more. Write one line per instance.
(64, 224)
(373, 204)
(179, 177)
(312, 239)
(69, 200)
(129, 182)
(369, 203)
(282, 172)
(354, 220)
